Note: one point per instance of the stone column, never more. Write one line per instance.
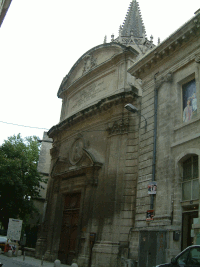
(51, 218)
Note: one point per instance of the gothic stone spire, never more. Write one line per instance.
(133, 33)
(133, 24)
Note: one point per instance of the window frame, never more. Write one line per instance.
(192, 180)
(184, 82)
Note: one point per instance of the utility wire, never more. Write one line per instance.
(46, 128)
(23, 125)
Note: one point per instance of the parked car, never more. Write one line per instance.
(3, 240)
(189, 257)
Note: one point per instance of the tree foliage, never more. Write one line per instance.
(20, 182)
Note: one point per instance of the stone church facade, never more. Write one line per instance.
(125, 185)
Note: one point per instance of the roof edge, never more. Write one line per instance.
(105, 103)
(181, 35)
(65, 79)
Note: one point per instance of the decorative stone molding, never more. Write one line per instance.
(89, 63)
(141, 45)
(167, 78)
(118, 127)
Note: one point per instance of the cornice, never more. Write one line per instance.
(103, 105)
(183, 35)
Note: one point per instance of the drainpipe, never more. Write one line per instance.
(129, 241)
(154, 137)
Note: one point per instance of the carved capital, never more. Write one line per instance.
(167, 78)
(118, 127)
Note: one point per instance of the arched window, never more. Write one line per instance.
(190, 182)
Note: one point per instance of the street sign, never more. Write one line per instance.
(14, 229)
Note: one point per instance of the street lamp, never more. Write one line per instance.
(133, 109)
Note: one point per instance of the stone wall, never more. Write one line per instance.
(175, 139)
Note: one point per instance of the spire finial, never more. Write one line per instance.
(105, 39)
(133, 24)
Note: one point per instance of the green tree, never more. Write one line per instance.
(20, 182)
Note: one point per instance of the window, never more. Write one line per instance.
(190, 184)
(189, 100)
(191, 257)
(182, 259)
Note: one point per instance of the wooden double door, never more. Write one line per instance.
(69, 230)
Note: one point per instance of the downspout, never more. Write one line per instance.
(154, 138)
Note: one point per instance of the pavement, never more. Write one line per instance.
(28, 262)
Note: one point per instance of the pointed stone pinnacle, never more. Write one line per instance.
(133, 24)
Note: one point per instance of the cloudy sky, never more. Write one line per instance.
(40, 40)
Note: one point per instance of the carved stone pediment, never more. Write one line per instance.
(86, 165)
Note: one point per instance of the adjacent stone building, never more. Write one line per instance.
(170, 76)
(35, 222)
(43, 168)
(4, 6)
(119, 190)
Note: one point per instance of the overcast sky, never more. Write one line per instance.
(40, 40)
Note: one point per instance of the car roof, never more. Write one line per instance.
(193, 246)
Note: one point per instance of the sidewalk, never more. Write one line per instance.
(32, 261)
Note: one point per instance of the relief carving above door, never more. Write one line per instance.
(76, 151)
